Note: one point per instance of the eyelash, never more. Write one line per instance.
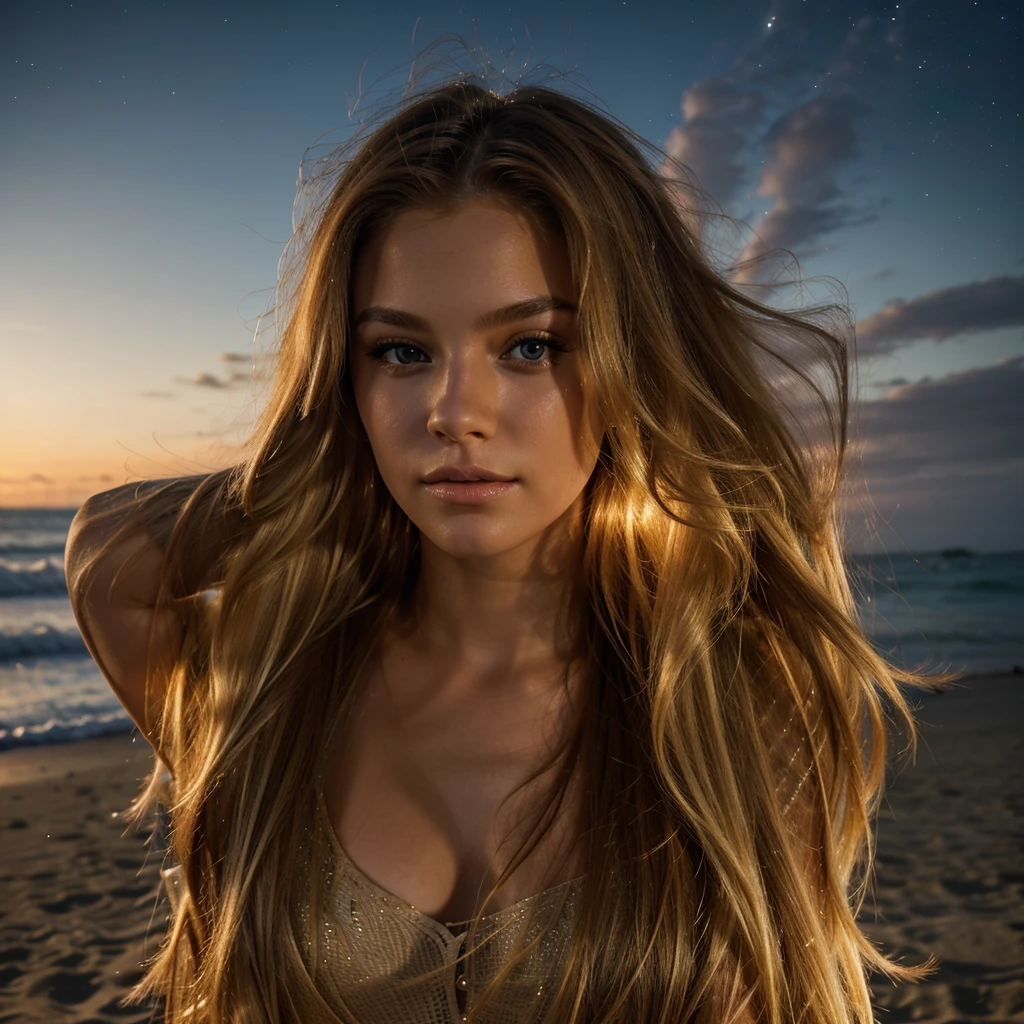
(378, 351)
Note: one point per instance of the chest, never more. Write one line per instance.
(422, 795)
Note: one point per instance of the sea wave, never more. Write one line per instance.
(39, 641)
(27, 579)
(54, 730)
(53, 546)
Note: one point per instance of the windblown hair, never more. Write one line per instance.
(734, 736)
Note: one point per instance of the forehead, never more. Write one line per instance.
(469, 259)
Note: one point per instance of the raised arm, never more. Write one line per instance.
(113, 582)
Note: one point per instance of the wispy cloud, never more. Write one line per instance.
(962, 309)
(807, 148)
(944, 459)
(157, 394)
(972, 420)
(812, 137)
(884, 274)
(719, 118)
(203, 380)
(241, 368)
(32, 478)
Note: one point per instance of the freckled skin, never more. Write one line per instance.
(470, 396)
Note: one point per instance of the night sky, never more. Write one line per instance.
(149, 161)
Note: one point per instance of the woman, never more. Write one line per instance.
(513, 672)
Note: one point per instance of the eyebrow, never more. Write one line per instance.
(495, 318)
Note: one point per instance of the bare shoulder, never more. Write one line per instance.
(113, 588)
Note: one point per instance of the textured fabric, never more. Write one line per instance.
(396, 965)
(387, 963)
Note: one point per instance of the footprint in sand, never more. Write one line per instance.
(9, 959)
(72, 900)
(966, 886)
(67, 987)
(71, 960)
(9, 974)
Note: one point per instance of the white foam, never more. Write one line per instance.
(39, 640)
(24, 579)
(55, 730)
(56, 699)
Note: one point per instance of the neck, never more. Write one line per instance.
(492, 616)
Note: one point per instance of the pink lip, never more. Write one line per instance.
(470, 493)
(462, 474)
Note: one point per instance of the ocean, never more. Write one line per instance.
(952, 610)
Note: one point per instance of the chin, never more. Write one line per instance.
(472, 540)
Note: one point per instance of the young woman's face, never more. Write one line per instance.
(463, 357)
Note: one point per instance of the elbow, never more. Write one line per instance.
(87, 535)
(76, 548)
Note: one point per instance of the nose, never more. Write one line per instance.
(465, 402)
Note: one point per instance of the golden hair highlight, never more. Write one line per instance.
(733, 738)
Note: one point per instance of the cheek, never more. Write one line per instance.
(378, 444)
(381, 420)
(555, 429)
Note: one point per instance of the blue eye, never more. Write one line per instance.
(405, 355)
(533, 349)
(540, 350)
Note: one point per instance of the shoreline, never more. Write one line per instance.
(79, 890)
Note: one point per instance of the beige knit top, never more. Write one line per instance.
(381, 950)
(385, 962)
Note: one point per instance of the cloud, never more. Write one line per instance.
(866, 49)
(32, 478)
(157, 394)
(944, 459)
(974, 417)
(962, 309)
(238, 375)
(719, 118)
(722, 116)
(807, 147)
(203, 380)
(816, 98)
(884, 273)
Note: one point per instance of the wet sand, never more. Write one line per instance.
(78, 908)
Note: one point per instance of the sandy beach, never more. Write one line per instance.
(78, 909)
(77, 890)
(950, 859)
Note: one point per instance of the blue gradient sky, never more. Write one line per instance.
(150, 157)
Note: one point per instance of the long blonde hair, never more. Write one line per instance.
(733, 740)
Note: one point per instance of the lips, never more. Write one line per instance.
(464, 474)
